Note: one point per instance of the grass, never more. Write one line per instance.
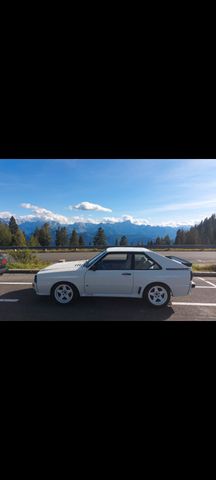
(203, 268)
(28, 266)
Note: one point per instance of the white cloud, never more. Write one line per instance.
(89, 206)
(43, 214)
(6, 215)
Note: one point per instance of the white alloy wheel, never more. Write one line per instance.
(63, 293)
(157, 295)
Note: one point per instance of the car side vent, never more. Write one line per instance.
(139, 290)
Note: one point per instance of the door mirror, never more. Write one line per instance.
(93, 268)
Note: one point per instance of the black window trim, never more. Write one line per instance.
(132, 254)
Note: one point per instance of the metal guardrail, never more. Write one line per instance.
(158, 247)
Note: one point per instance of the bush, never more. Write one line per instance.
(24, 256)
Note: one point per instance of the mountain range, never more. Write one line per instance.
(113, 231)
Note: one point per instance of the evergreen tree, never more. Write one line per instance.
(123, 241)
(5, 235)
(33, 242)
(100, 238)
(61, 237)
(13, 226)
(167, 240)
(44, 236)
(74, 239)
(19, 239)
(158, 241)
(117, 243)
(81, 241)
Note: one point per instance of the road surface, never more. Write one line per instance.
(18, 301)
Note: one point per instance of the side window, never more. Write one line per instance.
(118, 261)
(141, 262)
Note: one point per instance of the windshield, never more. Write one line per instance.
(90, 262)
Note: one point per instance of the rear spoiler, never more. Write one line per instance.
(181, 260)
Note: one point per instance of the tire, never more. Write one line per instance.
(64, 293)
(157, 295)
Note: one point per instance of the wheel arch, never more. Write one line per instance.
(162, 284)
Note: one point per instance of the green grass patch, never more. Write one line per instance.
(28, 266)
(203, 268)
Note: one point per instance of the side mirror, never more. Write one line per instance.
(94, 268)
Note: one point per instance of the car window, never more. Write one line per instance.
(112, 261)
(141, 262)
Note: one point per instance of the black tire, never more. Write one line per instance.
(64, 293)
(157, 295)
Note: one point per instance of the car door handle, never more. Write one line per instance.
(128, 274)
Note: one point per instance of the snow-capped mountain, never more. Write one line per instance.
(113, 231)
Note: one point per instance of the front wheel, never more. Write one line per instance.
(157, 295)
(64, 293)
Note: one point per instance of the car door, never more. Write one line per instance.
(111, 276)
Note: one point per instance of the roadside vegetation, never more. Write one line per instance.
(25, 259)
(203, 268)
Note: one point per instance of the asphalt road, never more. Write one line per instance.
(18, 301)
(194, 257)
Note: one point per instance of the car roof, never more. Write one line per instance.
(127, 249)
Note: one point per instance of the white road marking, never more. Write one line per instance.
(11, 300)
(15, 283)
(198, 286)
(206, 281)
(195, 304)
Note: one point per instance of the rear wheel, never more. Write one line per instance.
(64, 293)
(157, 295)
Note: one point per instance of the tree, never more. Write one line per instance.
(100, 238)
(123, 241)
(167, 240)
(61, 237)
(13, 226)
(81, 241)
(74, 239)
(33, 242)
(5, 235)
(44, 236)
(19, 239)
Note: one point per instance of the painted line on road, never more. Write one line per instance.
(9, 300)
(195, 304)
(198, 286)
(15, 283)
(206, 281)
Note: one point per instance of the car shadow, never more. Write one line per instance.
(33, 307)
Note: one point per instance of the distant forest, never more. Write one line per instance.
(204, 233)
(10, 235)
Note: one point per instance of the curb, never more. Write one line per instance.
(22, 271)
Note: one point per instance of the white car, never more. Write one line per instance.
(117, 272)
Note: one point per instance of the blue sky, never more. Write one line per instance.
(156, 192)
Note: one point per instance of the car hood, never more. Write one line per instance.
(64, 266)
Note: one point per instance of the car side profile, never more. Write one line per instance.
(117, 272)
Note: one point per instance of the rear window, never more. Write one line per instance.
(141, 262)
